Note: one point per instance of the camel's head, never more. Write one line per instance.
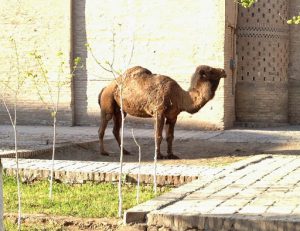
(210, 73)
(205, 73)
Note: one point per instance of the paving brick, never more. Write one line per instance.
(211, 201)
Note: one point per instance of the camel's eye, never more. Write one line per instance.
(203, 74)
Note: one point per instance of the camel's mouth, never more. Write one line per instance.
(223, 74)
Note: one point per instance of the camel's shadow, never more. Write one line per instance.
(190, 151)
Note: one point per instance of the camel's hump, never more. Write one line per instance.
(137, 71)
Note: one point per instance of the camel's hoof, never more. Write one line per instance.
(104, 153)
(126, 152)
(172, 157)
(160, 157)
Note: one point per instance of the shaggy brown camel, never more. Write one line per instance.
(153, 95)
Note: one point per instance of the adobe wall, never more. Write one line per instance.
(40, 25)
(294, 67)
(169, 38)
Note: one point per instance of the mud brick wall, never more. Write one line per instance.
(169, 38)
(263, 56)
(294, 66)
(35, 25)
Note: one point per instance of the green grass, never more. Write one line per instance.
(84, 200)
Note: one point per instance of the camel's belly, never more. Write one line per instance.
(139, 114)
(136, 110)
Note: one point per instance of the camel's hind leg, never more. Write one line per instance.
(159, 126)
(117, 118)
(105, 118)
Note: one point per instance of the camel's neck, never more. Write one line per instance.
(196, 98)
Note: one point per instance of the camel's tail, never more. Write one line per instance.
(99, 96)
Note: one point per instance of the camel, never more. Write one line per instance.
(152, 95)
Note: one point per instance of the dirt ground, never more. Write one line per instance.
(60, 223)
(195, 152)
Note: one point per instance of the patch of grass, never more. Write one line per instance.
(84, 200)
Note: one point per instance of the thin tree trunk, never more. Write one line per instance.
(14, 125)
(18, 177)
(155, 157)
(121, 153)
(139, 169)
(17, 161)
(55, 110)
(1, 197)
(53, 155)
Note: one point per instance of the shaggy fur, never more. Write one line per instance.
(153, 95)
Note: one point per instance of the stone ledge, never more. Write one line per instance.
(221, 222)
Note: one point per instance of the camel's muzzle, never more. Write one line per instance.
(223, 74)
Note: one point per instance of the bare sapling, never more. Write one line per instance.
(10, 92)
(51, 99)
(109, 66)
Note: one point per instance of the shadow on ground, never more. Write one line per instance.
(189, 151)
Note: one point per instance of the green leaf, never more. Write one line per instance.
(294, 20)
(77, 60)
(59, 54)
(53, 114)
(246, 3)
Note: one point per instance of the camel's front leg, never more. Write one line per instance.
(159, 125)
(170, 124)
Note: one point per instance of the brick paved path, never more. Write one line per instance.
(261, 195)
(81, 171)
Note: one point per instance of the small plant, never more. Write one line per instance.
(51, 99)
(11, 89)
